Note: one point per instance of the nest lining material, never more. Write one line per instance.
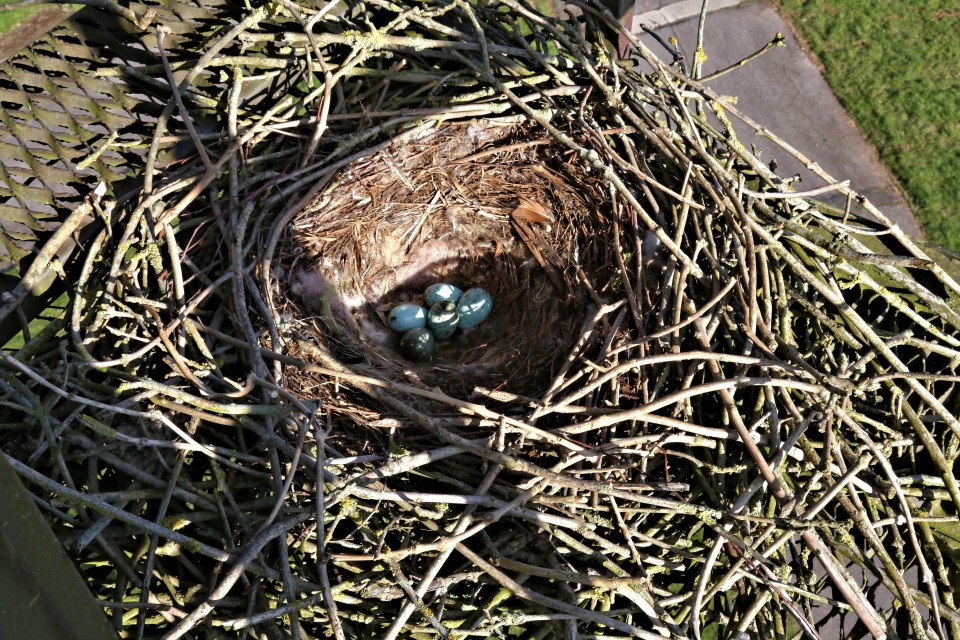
(446, 207)
(738, 422)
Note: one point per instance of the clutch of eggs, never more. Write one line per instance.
(446, 307)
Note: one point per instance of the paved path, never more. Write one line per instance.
(782, 90)
(656, 13)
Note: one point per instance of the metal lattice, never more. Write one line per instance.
(78, 107)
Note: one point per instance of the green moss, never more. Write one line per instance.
(10, 19)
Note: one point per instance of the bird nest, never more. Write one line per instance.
(473, 206)
(705, 404)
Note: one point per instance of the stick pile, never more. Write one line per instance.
(753, 427)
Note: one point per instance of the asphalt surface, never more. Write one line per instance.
(782, 90)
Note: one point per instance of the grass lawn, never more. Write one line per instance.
(895, 66)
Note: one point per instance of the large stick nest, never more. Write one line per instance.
(706, 404)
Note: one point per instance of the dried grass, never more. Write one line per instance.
(444, 208)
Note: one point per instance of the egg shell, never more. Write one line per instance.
(439, 292)
(407, 316)
(443, 319)
(417, 344)
(475, 306)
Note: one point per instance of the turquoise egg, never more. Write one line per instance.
(407, 316)
(439, 292)
(417, 344)
(443, 319)
(474, 307)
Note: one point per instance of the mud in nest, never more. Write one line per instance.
(473, 206)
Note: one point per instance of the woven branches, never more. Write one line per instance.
(732, 409)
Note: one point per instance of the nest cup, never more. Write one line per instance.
(474, 206)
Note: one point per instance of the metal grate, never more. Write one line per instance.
(77, 107)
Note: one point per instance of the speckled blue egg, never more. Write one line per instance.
(407, 316)
(443, 319)
(440, 292)
(474, 307)
(417, 344)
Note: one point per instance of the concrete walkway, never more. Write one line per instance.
(782, 90)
